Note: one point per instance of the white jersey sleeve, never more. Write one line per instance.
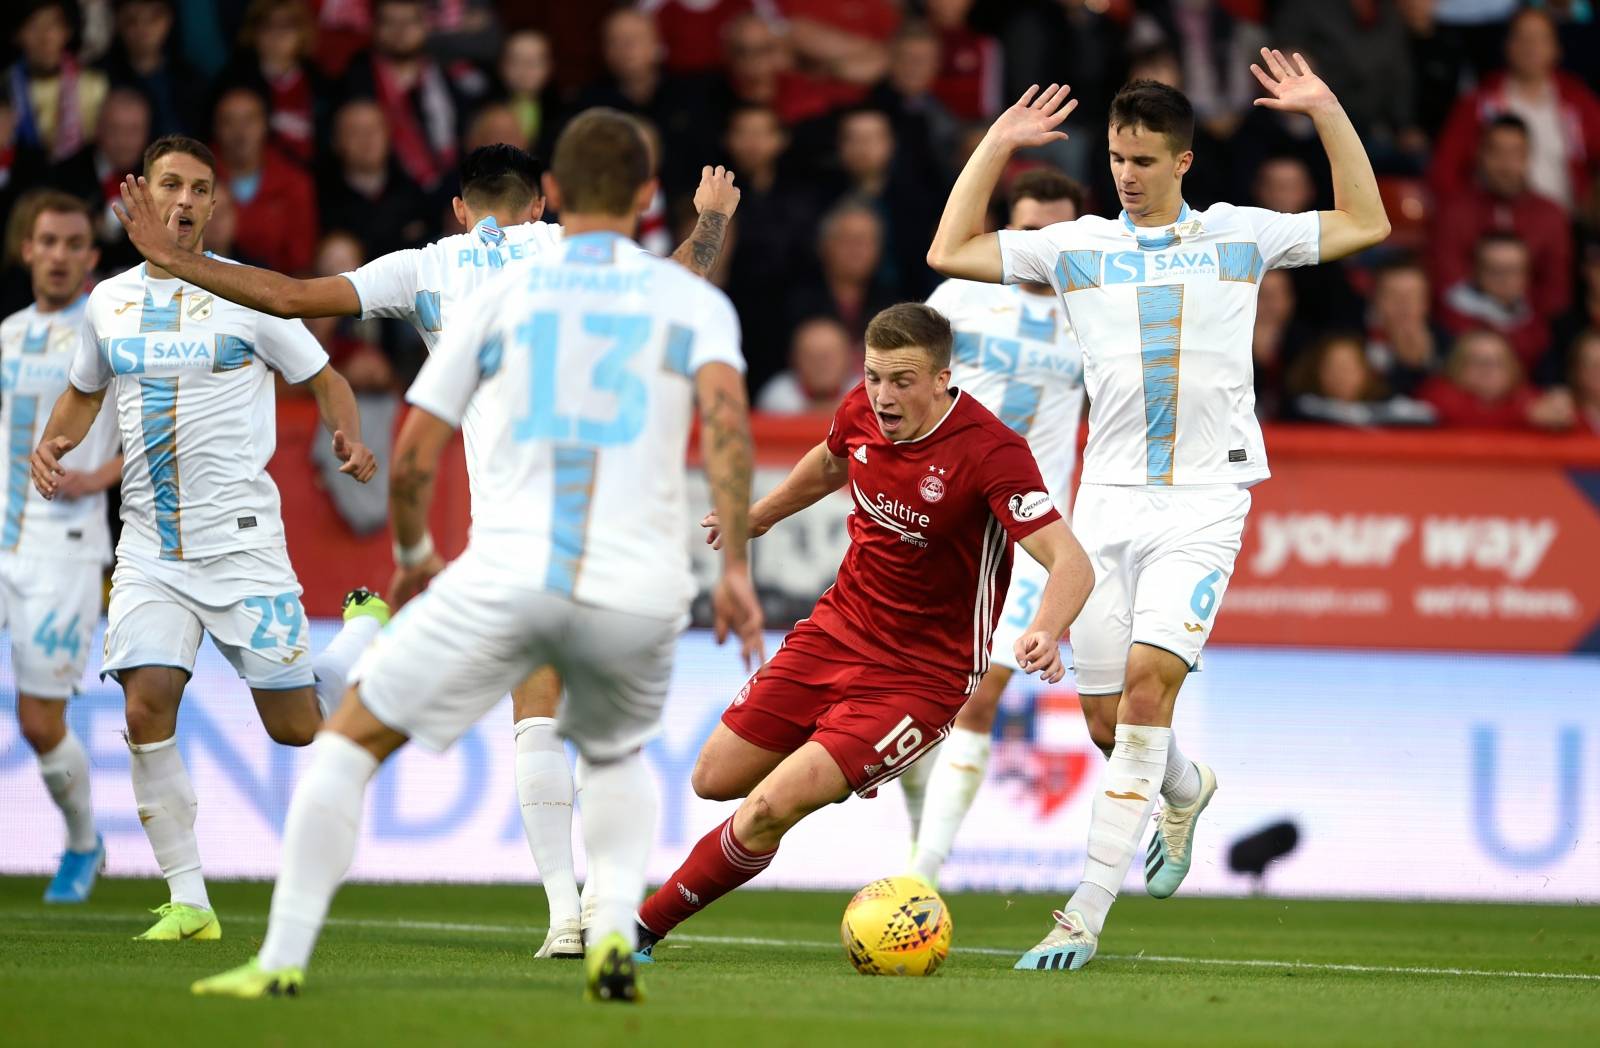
(1286, 241)
(289, 349)
(718, 339)
(387, 286)
(91, 370)
(1028, 256)
(462, 359)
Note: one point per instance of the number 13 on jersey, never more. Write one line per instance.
(611, 384)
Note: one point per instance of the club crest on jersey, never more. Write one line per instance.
(199, 307)
(931, 489)
(1031, 506)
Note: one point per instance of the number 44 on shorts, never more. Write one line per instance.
(50, 639)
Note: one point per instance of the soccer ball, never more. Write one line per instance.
(896, 926)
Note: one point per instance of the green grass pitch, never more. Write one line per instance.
(452, 964)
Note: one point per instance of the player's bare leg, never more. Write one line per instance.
(729, 767)
(290, 715)
(166, 800)
(64, 767)
(955, 773)
(745, 844)
(319, 842)
(545, 794)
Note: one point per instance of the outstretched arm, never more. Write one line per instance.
(960, 246)
(1358, 220)
(259, 289)
(716, 200)
(816, 475)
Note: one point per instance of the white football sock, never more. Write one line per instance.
(1122, 805)
(1181, 785)
(544, 789)
(167, 805)
(319, 840)
(65, 770)
(953, 782)
(333, 664)
(619, 825)
(914, 787)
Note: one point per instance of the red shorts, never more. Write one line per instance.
(871, 720)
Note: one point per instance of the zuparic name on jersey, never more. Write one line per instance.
(592, 280)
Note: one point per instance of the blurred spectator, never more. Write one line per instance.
(1475, 32)
(822, 369)
(1561, 113)
(276, 201)
(1214, 49)
(1495, 296)
(1435, 61)
(1334, 382)
(465, 36)
(905, 202)
(366, 192)
(530, 91)
(635, 83)
(923, 128)
(1584, 315)
(1361, 49)
(1402, 341)
(773, 227)
(849, 247)
(420, 103)
(969, 82)
(655, 234)
(351, 349)
(222, 230)
(844, 41)
(1585, 381)
(1278, 340)
(1324, 295)
(692, 30)
(759, 68)
(1500, 201)
(1483, 388)
(145, 59)
(275, 60)
(96, 174)
(1041, 40)
(493, 124)
(54, 103)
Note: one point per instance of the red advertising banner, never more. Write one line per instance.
(1470, 541)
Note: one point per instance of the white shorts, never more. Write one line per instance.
(51, 606)
(482, 626)
(249, 602)
(1162, 559)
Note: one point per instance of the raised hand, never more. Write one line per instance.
(1292, 87)
(1033, 121)
(142, 219)
(716, 193)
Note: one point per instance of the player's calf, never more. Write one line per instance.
(291, 718)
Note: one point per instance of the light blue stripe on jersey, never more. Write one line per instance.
(490, 356)
(158, 407)
(1018, 406)
(1037, 329)
(1160, 337)
(162, 318)
(19, 445)
(680, 344)
(1240, 262)
(968, 344)
(569, 516)
(232, 353)
(429, 315)
(1078, 270)
(37, 340)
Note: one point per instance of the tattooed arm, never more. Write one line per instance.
(416, 460)
(729, 457)
(716, 200)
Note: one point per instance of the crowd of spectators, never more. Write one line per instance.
(337, 125)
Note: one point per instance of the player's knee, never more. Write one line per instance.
(148, 721)
(711, 784)
(764, 819)
(293, 731)
(43, 725)
(1143, 700)
(1103, 735)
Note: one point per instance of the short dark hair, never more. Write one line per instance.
(1507, 122)
(167, 144)
(50, 202)
(500, 174)
(1157, 108)
(1498, 237)
(1046, 185)
(600, 162)
(912, 324)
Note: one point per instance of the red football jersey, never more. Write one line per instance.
(931, 534)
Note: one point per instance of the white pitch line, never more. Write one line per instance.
(535, 932)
